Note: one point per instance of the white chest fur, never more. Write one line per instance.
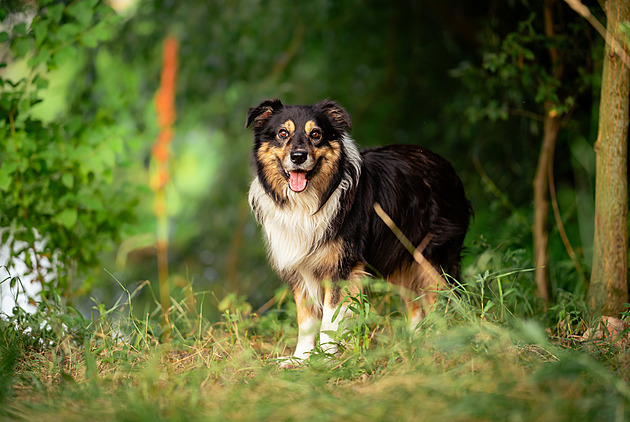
(296, 229)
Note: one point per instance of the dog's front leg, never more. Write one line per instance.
(308, 323)
(335, 310)
(330, 321)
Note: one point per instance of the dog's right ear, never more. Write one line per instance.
(263, 111)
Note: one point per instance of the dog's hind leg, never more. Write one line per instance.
(418, 285)
(414, 311)
(418, 307)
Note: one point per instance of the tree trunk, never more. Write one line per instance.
(540, 231)
(609, 280)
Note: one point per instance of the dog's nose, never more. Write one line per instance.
(298, 157)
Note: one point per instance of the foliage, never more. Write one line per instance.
(406, 74)
(516, 76)
(62, 202)
(516, 73)
(522, 75)
(403, 74)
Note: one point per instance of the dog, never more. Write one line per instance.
(314, 194)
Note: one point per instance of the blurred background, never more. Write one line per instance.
(468, 80)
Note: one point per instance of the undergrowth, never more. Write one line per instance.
(487, 351)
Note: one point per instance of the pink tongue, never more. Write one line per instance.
(297, 181)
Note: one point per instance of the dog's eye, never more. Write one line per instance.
(316, 134)
(283, 134)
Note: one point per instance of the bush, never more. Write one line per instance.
(62, 203)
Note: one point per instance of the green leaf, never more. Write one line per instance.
(20, 46)
(40, 28)
(45, 207)
(4, 37)
(68, 180)
(5, 101)
(41, 57)
(68, 31)
(82, 12)
(5, 177)
(20, 29)
(116, 144)
(5, 234)
(90, 361)
(100, 32)
(67, 218)
(67, 53)
(89, 40)
(90, 201)
(40, 82)
(55, 12)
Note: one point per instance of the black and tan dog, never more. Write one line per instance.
(314, 194)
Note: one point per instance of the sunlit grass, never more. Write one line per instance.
(468, 361)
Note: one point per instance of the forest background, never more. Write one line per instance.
(476, 82)
(468, 81)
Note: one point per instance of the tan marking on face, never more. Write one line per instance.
(268, 156)
(309, 126)
(330, 156)
(290, 126)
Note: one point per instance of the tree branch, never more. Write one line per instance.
(615, 45)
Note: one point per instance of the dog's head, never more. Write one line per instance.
(299, 147)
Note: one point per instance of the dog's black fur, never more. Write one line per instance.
(422, 194)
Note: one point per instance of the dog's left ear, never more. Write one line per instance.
(262, 112)
(336, 113)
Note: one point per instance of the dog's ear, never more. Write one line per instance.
(336, 113)
(262, 112)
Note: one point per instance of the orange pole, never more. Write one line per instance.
(165, 108)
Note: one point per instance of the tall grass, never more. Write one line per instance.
(479, 355)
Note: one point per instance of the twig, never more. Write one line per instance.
(505, 201)
(268, 304)
(416, 252)
(615, 46)
(560, 224)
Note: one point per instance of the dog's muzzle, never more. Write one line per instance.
(297, 165)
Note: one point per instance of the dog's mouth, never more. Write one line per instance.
(297, 180)
(298, 177)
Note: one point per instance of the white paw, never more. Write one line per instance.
(327, 343)
(290, 362)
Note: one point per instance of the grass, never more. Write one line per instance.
(478, 356)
